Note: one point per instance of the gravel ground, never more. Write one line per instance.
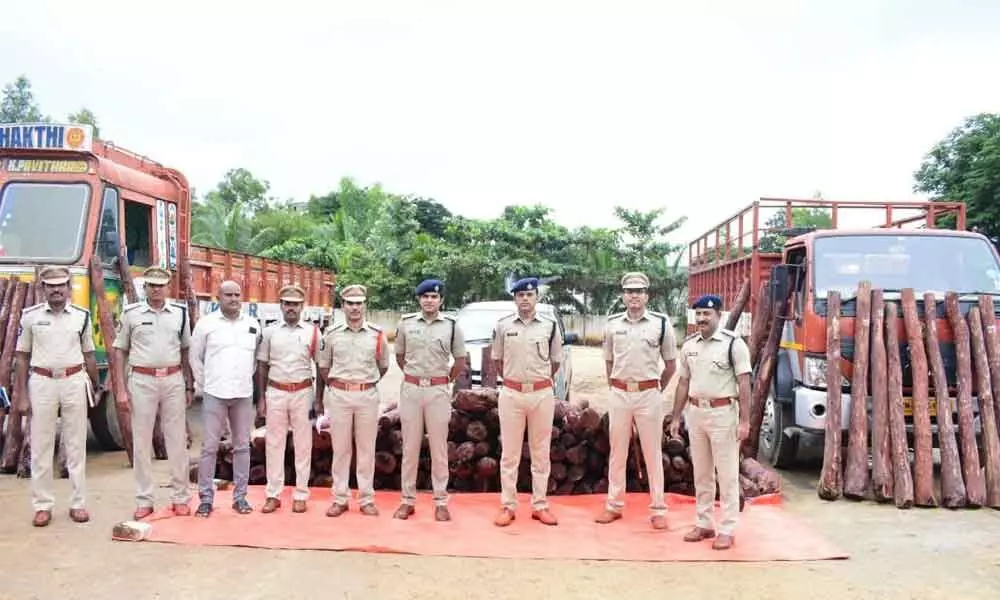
(960, 560)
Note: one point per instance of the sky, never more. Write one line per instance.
(696, 107)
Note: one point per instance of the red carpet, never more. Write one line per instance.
(766, 532)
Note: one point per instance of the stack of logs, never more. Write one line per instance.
(970, 471)
(579, 452)
(16, 441)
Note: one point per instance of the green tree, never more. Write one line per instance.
(85, 116)
(965, 167)
(803, 220)
(18, 104)
(240, 188)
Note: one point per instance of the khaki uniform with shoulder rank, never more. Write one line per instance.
(351, 399)
(712, 415)
(58, 388)
(526, 398)
(153, 340)
(289, 351)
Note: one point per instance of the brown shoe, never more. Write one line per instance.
(298, 506)
(42, 518)
(505, 518)
(658, 522)
(369, 510)
(699, 533)
(142, 512)
(403, 512)
(441, 513)
(607, 516)
(271, 505)
(181, 510)
(336, 510)
(80, 515)
(723, 542)
(545, 516)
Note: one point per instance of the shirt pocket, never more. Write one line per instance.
(538, 345)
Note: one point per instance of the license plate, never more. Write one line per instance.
(908, 406)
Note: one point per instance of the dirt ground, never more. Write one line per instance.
(893, 553)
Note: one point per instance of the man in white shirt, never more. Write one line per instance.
(223, 348)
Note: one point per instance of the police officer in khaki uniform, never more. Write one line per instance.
(528, 348)
(635, 343)
(425, 342)
(153, 340)
(352, 359)
(55, 344)
(713, 391)
(285, 383)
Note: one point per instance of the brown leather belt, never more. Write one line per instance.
(290, 387)
(712, 402)
(426, 381)
(157, 371)
(57, 373)
(636, 386)
(349, 386)
(527, 387)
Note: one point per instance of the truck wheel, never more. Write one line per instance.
(776, 447)
(104, 424)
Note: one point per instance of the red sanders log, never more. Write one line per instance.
(738, 306)
(975, 485)
(831, 480)
(487, 370)
(762, 376)
(115, 372)
(13, 438)
(760, 323)
(992, 337)
(856, 470)
(881, 456)
(987, 419)
(902, 485)
(952, 486)
(923, 446)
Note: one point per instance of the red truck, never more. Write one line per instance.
(65, 196)
(929, 249)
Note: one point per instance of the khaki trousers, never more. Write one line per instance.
(50, 400)
(714, 446)
(284, 410)
(645, 409)
(421, 407)
(517, 410)
(164, 396)
(353, 426)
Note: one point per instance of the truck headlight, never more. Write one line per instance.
(814, 372)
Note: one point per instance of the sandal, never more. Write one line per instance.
(242, 506)
(204, 509)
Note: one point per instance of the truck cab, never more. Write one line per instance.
(930, 257)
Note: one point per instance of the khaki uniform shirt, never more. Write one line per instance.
(350, 353)
(705, 363)
(153, 338)
(285, 348)
(525, 347)
(55, 340)
(634, 347)
(428, 345)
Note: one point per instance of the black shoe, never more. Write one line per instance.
(242, 506)
(204, 509)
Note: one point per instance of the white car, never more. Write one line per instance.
(477, 321)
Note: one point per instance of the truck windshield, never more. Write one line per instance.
(42, 221)
(895, 262)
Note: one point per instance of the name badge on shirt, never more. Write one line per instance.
(253, 329)
(511, 334)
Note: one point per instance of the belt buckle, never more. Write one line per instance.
(424, 382)
(58, 373)
(354, 387)
(632, 386)
(160, 372)
(527, 388)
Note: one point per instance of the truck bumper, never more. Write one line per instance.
(810, 411)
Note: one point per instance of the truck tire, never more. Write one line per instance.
(777, 447)
(104, 425)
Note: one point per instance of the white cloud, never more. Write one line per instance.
(698, 107)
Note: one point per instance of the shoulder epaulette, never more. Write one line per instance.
(178, 304)
(728, 332)
(450, 318)
(692, 336)
(657, 314)
(374, 326)
(33, 307)
(409, 315)
(80, 308)
(507, 316)
(616, 316)
(545, 317)
(129, 307)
